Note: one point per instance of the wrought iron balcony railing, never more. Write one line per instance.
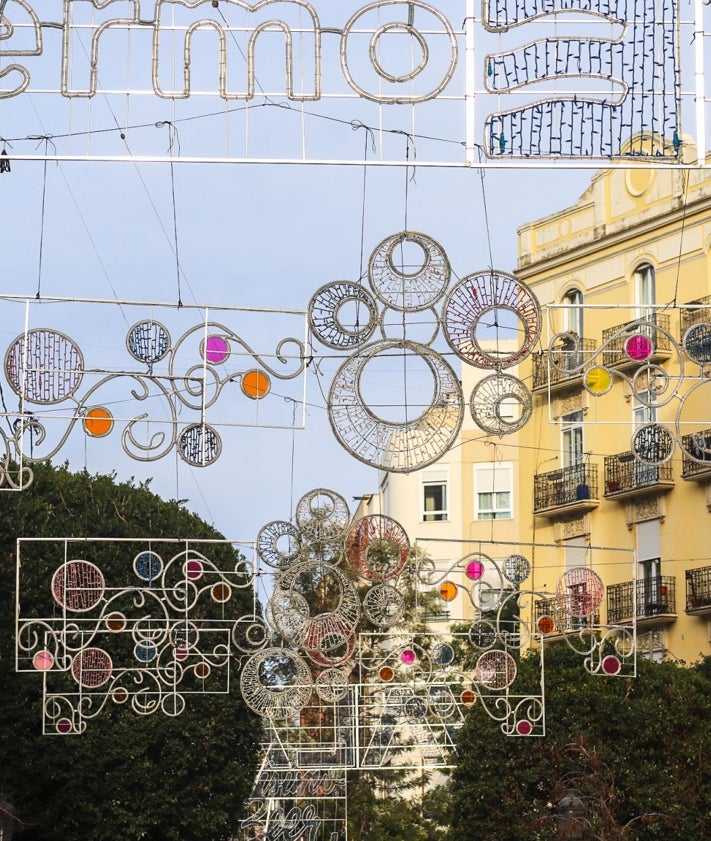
(625, 476)
(646, 598)
(561, 367)
(699, 467)
(563, 622)
(615, 353)
(698, 590)
(570, 489)
(699, 313)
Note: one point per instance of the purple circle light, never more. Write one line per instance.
(524, 728)
(639, 347)
(193, 570)
(64, 726)
(611, 665)
(216, 349)
(408, 656)
(475, 570)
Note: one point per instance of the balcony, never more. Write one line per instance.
(651, 600)
(699, 313)
(563, 622)
(561, 367)
(618, 354)
(698, 591)
(572, 490)
(626, 477)
(698, 468)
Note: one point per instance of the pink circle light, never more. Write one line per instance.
(216, 349)
(408, 656)
(475, 570)
(64, 725)
(193, 569)
(611, 665)
(639, 347)
(524, 728)
(43, 660)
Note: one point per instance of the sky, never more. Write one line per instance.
(248, 235)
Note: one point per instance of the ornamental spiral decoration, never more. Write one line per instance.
(409, 276)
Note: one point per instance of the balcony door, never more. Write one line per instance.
(572, 438)
(651, 595)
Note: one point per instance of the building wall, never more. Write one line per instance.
(626, 219)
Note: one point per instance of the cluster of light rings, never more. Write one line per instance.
(415, 443)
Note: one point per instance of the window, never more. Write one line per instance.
(493, 491)
(573, 314)
(572, 438)
(434, 495)
(644, 290)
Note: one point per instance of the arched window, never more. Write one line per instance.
(645, 294)
(573, 313)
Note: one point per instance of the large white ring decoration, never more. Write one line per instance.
(325, 319)
(278, 543)
(489, 398)
(409, 289)
(44, 366)
(399, 447)
(285, 698)
(486, 295)
(384, 605)
(580, 592)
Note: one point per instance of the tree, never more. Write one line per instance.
(133, 777)
(623, 759)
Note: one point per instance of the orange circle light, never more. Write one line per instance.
(467, 697)
(448, 590)
(255, 384)
(386, 673)
(98, 422)
(546, 625)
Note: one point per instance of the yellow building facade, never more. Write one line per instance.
(610, 467)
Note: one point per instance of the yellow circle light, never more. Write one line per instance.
(598, 380)
(98, 422)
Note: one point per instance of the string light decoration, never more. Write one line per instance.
(633, 353)
(635, 112)
(474, 316)
(174, 383)
(149, 640)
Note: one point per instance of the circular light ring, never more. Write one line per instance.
(652, 444)
(375, 50)
(270, 543)
(148, 565)
(288, 612)
(443, 654)
(78, 586)
(477, 296)
(408, 656)
(516, 568)
(255, 384)
(98, 422)
(482, 635)
(408, 290)
(597, 380)
(377, 547)
(386, 674)
(221, 592)
(697, 343)
(148, 341)
(474, 570)
(145, 653)
(283, 700)
(579, 592)
(120, 695)
(488, 397)
(43, 660)
(115, 622)
(322, 514)
(324, 321)
(384, 605)
(611, 665)
(199, 445)
(202, 671)
(337, 656)
(524, 727)
(395, 447)
(91, 668)
(545, 624)
(250, 634)
(467, 697)
(332, 685)
(495, 670)
(328, 630)
(44, 366)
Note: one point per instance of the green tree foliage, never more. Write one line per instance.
(632, 753)
(127, 776)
